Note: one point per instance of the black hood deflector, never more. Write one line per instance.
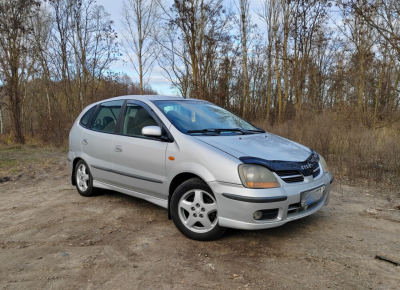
(304, 167)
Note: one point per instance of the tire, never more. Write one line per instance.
(84, 179)
(194, 211)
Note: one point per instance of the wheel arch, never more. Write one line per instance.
(74, 162)
(175, 182)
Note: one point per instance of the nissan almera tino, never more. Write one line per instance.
(209, 168)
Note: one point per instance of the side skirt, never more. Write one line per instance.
(158, 201)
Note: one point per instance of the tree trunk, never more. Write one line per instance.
(16, 104)
(378, 91)
(285, 56)
(269, 82)
(278, 79)
(243, 16)
(1, 123)
(360, 88)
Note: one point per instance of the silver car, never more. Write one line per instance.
(209, 168)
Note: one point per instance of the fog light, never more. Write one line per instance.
(257, 215)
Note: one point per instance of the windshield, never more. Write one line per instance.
(199, 117)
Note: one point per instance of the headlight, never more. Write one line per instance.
(256, 176)
(323, 164)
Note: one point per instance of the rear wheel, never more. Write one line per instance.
(194, 211)
(84, 179)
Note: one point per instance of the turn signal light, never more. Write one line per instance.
(172, 158)
(262, 184)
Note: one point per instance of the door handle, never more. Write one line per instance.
(118, 148)
(84, 142)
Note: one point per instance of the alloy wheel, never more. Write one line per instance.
(82, 178)
(198, 211)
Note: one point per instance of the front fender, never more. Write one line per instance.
(194, 156)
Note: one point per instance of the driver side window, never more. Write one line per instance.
(106, 117)
(135, 118)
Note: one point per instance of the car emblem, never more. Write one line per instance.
(312, 159)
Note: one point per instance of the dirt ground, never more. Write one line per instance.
(52, 238)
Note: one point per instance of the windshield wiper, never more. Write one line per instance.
(204, 131)
(218, 131)
(256, 130)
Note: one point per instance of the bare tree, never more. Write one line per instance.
(244, 24)
(354, 28)
(200, 28)
(382, 16)
(41, 32)
(92, 40)
(266, 16)
(1, 120)
(140, 19)
(173, 62)
(277, 39)
(14, 48)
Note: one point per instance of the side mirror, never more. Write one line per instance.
(151, 131)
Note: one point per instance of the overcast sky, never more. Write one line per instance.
(157, 80)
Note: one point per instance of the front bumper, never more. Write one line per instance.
(238, 212)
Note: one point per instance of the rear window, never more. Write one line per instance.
(85, 119)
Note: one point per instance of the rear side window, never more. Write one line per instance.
(105, 119)
(85, 119)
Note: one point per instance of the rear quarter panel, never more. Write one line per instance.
(74, 139)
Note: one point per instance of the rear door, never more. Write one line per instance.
(139, 161)
(97, 140)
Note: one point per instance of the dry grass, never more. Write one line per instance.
(17, 161)
(355, 154)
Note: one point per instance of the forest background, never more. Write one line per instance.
(323, 73)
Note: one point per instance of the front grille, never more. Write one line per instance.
(316, 170)
(290, 176)
(294, 207)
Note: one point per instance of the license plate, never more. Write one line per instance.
(310, 197)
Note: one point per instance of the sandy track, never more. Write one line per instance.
(52, 238)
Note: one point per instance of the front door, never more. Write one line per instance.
(139, 161)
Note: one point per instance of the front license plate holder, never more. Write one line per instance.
(311, 196)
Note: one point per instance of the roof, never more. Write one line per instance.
(149, 97)
(144, 98)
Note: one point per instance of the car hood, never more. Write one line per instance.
(266, 146)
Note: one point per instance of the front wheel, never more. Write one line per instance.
(194, 211)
